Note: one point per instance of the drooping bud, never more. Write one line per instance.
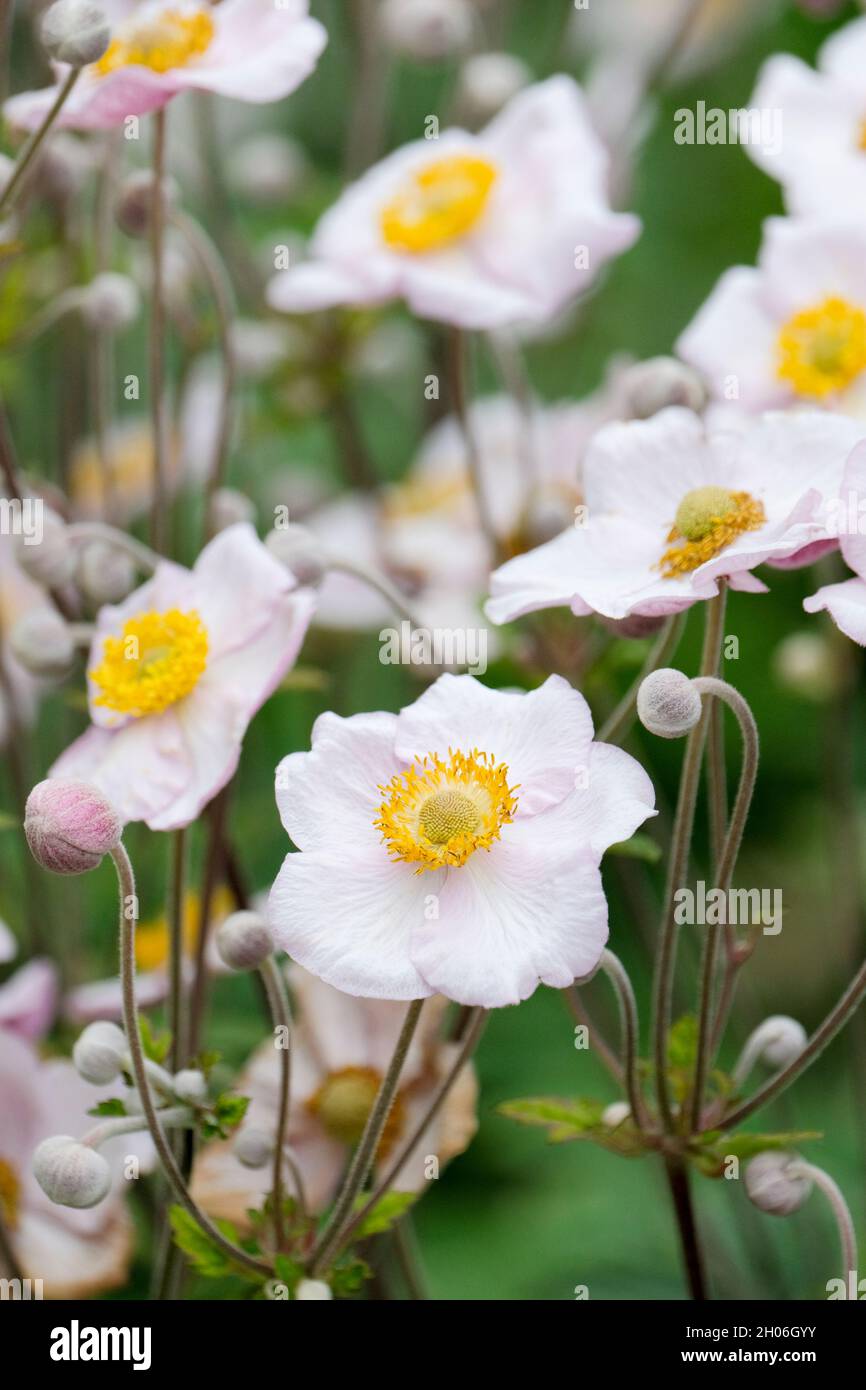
(300, 551)
(100, 1053)
(110, 302)
(488, 81)
(190, 1085)
(777, 1041)
(75, 32)
(49, 559)
(42, 642)
(106, 574)
(244, 940)
(653, 385)
(253, 1147)
(310, 1289)
(668, 703)
(71, 1173)
(773, 1187)
(70, 826)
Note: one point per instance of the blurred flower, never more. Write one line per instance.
(480, 230)
(28, 1000)
(792, 329)
(75, 1253)
(820, 160)
(680, 506)
(268, 168)
(625, 32)
(426, 30)
(251, 50)
(453, 847)
(177, 672)
(846, 602)
(341, 1048)
(487, 81)
(19, 597)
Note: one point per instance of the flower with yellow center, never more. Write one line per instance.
(157, 660)
(708, 519)
(822, 350)
(343, 1102)
(438, 204)
(10, 1194)
(160, 41)
(437, 813)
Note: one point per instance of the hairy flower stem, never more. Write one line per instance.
(678, 1182)
(31, 149)
(625, 997)
(214, 271)
(684, 819)
(616, 726)
(471, 1038)
(720, 691)
(278, 1001)
(156, 345)
(458, 370)
(598, 1043)
(365, 1154)
(379, 583)
(128, 924)
(176, 946)
(839, 1207)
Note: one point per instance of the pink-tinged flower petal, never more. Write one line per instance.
(531, 911)
(238, 586)
(852, 540)
(846, 604)
(28, 1001)
(543, 736)
(104, 998)
(615, 800)
(95, 103)
(330, 796)
(347, 918)
(318, 285)
(732, 341)
(72, 1264)
(141, 768)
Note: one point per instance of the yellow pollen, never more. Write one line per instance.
(343, 1103)
(162, 41)
(10, 1194)
(861, 135)
(708, 519)
(156, 661)
(439, 811)
(438, 204)
(823, 349)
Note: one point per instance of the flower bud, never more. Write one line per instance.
(50, 559)
(42, 643)
(229, 506)
(616, 1114)
(778, 1041)
(806, 664)
(106, 574)
(110, 302)
(313, 1289)
(71, 1173)
(253, 1147)
(75, 32)
(488, 81)
(773, 1187)
(426, 30)
(244, 940)
(653, 385)
(64, 165)
(70, 826)
(100, 1053)
(268, 169)
(636, 625)
(668, 704)
(299, 551)
(190, 1085)
(135, 199)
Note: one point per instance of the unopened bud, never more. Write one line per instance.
(772, 1185)
(50, 560)
(244, 941)
(70, 826)
(311, 1289)
(110, 302)
(426, 30)
(190, 1085)
(300, 551)
(71, 1173)
(653, 385)
(488, 81)
(106, 574)
(100, 1053)
(668, 703)
(135, 201)
(778, 1041)
(228, 506)
(42, 642)
(615, 1114)
(75, 32)
(253, 1147)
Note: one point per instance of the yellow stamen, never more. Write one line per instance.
(438, 812)
(156, 661)
(343, 1103)
(439, 204)
(10, 1194)
(162, 41)
(708, 519)
(823, 349)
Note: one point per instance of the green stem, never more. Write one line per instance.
(176, 946)
(156, 348)
(34, 144)
(458, 367)
(625, 996)
(275, 989)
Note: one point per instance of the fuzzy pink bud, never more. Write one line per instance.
(70, 826)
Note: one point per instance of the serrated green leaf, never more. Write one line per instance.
(155, 1045)
(384, 1214)
(226, 1114)
(347, 1278)
(205, 1257)
(115, 1106)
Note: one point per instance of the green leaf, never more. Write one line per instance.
(683, 1043)
(348, 1277)
(641, 847)
(384, 1214)
(115, 1106)
(205, 1061)
(226, 1114)
(156, 1046)
(205, 1257)
(287, 1271)
(566, 1120)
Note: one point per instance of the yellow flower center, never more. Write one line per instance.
(707, 520)
(162, 41)
(438, 812)
(343, 1103)
(438, 204)
(10, 1193)
(823, 349)
(156, 661)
